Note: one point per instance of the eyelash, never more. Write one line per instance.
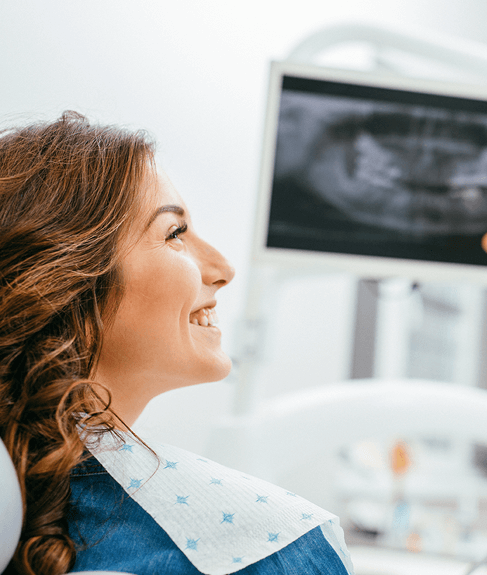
(176, 233)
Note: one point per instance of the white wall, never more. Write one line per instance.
(194, 73)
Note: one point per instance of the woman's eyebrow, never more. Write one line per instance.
(167, 208)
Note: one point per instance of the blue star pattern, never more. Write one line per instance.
(190, 507)
(192, 544)
(273, 537)
(134, 483)
(227, 517)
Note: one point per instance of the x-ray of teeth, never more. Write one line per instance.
(376, 176)
(413, 169)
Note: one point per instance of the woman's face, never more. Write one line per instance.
(164, 334)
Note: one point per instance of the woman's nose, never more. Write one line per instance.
(215, 268)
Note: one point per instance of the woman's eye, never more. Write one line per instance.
(174, 235)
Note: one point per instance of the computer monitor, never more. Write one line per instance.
(380, 176)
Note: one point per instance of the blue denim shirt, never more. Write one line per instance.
(112, 532)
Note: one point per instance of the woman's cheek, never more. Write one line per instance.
(161, 276)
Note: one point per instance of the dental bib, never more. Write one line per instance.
(221, 519)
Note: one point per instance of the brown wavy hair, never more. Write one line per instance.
(68, 198)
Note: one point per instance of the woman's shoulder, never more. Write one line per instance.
(111, 531)
(212, 513)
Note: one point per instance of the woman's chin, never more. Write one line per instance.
(221, 367)
(217, 366)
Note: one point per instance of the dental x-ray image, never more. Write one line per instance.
(375, 171)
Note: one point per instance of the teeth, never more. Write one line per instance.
(204, 317)
(212, 317)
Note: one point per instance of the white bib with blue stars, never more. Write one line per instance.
(221, 519)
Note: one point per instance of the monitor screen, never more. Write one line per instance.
(390, 174)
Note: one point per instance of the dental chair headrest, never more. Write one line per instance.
(10, 508)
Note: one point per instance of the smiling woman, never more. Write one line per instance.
(107, 299)
(164, 334)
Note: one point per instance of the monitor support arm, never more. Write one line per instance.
(465, 55)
